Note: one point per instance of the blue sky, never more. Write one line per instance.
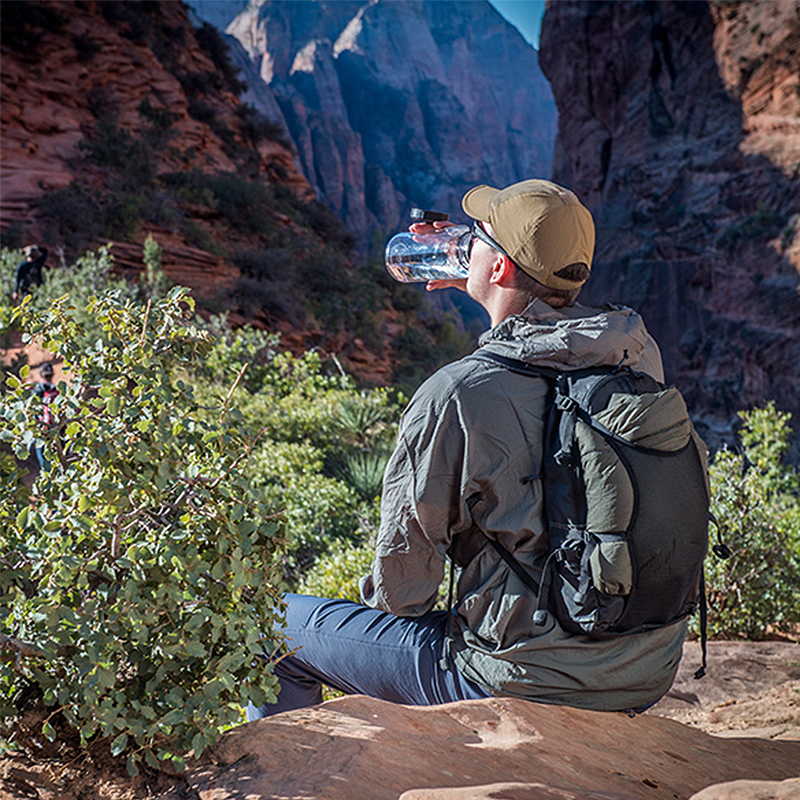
(524, 15)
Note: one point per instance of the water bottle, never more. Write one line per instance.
(440, 256)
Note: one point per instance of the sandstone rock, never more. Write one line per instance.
(357, 747)
(752, 790)
(750, 689)
(511, 791)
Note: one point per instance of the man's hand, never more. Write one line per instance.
(423, 228)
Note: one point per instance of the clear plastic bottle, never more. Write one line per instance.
(413, 258)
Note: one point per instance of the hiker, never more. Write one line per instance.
(466, 471)
(29, 271)
(46, 391)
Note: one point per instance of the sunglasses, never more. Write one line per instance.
(477, 232)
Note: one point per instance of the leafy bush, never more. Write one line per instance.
(135, 587)
(756, 500)
(23, 25)
(308, 425)
(338, 574)
(765, 223)
(89, 275)
(154, 279)
(218, 50)
(320, 512)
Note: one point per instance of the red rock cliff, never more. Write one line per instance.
(79, 59)
(679, 124)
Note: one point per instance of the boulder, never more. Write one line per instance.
(358, 747)
(752, 790)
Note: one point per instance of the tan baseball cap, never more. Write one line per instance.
(541, 225)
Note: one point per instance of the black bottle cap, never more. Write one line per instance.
(420, 215)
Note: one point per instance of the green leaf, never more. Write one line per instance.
(49, 732)
(198, 744)
(105, 677)
(195, 649)
(119, 744)
(22, 517)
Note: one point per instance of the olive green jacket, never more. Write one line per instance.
(469, 442)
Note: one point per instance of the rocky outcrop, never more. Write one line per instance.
(356, 747)
(392, 104)
(750, 689)
(679, 124)
(501, 748)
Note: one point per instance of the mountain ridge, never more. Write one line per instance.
(395, 104)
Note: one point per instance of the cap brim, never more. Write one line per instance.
(476, 202)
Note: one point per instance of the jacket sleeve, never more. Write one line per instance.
(420, 508)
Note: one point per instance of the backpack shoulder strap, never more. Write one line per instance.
(517, 365)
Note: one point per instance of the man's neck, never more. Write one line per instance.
(507, 303)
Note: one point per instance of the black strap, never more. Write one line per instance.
(703, 627)
(539, 591)
(517, 365)
(515, 566)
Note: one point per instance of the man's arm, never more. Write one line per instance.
(420, 508)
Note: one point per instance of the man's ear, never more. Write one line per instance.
(502, 271)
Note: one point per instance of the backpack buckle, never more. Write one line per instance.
(565, 403)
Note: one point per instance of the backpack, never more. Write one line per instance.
(48, 393)
(626, 501)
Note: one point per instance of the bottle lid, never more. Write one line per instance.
(428, 216)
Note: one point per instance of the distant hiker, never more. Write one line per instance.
(29, 271)
(467, 481)
(46, 391)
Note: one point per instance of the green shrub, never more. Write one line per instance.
(218, 50)
(89, 275)
(756, 500)
(320, 512)
(310, 427)
(22, 26)
(763, 224)
(134, 590)
(337, 574)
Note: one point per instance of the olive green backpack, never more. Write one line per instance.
(626, 499)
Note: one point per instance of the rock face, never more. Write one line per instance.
(478, 749)
(679, 124)
(503, 749)
(395, 103)
(88, 60)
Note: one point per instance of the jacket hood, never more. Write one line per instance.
(576, 337)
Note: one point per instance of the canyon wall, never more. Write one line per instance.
(679, 125)
(392, 104)
(67, 65)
